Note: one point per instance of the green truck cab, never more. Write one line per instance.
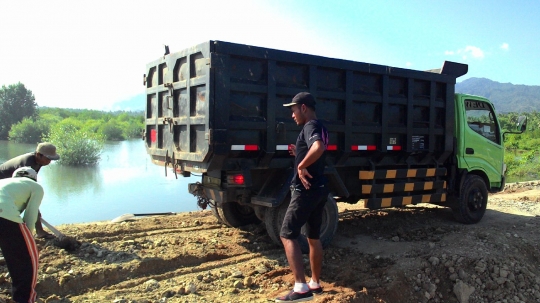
(479, 154)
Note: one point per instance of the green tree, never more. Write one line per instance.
(29, 130)
(76, 146)
(16, 103)
(112, 131)
(133, 129)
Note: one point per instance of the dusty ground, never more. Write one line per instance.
(414, 254)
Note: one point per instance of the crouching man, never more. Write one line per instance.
(18, 194)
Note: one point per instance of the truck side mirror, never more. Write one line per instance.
(522, 124)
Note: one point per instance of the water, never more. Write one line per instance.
(124, 181)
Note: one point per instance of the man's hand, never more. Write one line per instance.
(292, 149)
(303, 174)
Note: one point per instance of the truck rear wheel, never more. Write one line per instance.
(472, 202)
(274, 219)
(236, 215)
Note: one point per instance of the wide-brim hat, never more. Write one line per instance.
(48, 150)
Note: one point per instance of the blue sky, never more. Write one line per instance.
(91, 54)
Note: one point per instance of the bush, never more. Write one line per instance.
(112, 131)
(133, 130)
(29, 131)
(76, 146)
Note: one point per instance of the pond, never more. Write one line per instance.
(124, 181)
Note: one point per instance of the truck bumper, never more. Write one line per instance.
(210, 193)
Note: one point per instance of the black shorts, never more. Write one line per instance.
(306, 207)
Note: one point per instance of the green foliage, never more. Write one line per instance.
(112, 131)
(29, 131)
(112, 125)
(76, 146)
(133, 129)
(16, 103)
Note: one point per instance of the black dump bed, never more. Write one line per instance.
(218, 104)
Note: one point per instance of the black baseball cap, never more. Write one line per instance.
(302, 98)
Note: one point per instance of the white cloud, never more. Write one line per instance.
(505, 46)
(469, 51)
(408, 64)
(473, 51)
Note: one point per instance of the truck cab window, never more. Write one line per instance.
(480, 118)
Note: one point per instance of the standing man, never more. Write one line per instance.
(309, 193)
(45, 152)
(17, 194)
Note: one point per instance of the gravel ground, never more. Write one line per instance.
(411, 254)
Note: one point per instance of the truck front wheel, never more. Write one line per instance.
(472, 202)
(236, 215)
(273, 220)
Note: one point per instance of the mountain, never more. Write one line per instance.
(506, 97)
(136, 103)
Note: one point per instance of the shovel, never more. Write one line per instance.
(55, 231)
(131, 217)
(61, 240)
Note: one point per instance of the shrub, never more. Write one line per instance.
(29, 131)
(133, 130)
(76, 146)
(112, 131)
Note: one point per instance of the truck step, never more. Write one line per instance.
(401, 201)
(401, 173)
(403, 187)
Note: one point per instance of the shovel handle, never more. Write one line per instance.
(55, 231)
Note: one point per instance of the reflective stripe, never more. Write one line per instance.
(245, 147)
(363, 147)
(34, 258)
(283, 147)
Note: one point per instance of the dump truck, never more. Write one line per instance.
(397, 136)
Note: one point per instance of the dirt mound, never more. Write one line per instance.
(411, 254)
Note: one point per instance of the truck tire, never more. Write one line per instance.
(472, 201)
(274, 219)
(235, 215)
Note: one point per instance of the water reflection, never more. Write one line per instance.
(65, 180)
(124, 181)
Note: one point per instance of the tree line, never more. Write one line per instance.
(79, 134)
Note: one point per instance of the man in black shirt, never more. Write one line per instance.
(45, 152)
(309, 193)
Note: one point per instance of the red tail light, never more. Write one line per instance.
(235, 179)
(238, 179)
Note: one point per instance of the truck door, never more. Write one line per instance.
(483, 148)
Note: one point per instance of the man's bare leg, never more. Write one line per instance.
(315, 259)
(294, 256)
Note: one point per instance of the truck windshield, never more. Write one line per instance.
(480, 118)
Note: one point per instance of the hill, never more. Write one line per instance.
(133, 104)
(507, 97)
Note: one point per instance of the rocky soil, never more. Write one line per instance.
(412, 254)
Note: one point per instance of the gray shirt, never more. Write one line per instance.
(29, 159)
